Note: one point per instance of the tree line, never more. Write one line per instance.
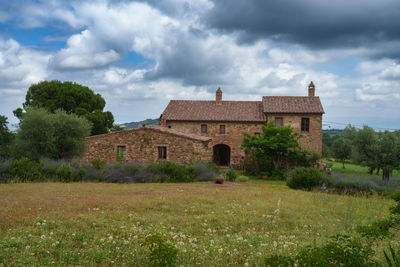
(379, 151)
(54, 121)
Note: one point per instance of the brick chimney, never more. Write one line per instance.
(218, 97)
(311, 89)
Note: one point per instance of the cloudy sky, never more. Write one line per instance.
(140, 54)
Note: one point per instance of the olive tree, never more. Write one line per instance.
(52, 135)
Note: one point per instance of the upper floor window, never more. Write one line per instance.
(222, 129)
(204, 128)
(278, 121)
(121, 153)
(162, 152)
(305, 124)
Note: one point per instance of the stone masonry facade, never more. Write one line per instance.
(232, 137)
(191, 131)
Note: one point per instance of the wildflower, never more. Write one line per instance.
(110, 237)
(258, 253)
(32, 253)
(43, 237)
(220, 250)
(126, 242)
(246, 264)
(51, 233)
(28, 247)
(73, 234)
(275, 244)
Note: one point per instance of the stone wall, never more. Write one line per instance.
(233, 134)
(311, 140)
(142, 144)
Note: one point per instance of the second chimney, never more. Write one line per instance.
(311, 89)
(218, 97)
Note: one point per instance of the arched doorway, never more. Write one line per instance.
(222, 155)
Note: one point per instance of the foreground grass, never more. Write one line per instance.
(211, 225)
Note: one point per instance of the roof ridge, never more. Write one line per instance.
(157, 128)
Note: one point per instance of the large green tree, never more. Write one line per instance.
(6, 137)
(276, 145)
(71, 97)
(388, 156)
(341, 149)
(53, 135)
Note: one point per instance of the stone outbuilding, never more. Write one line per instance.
(148, 144)
(192, 130)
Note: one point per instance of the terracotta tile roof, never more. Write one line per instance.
(159, 129)
(191, 110)
(292, 104)
(178, 133)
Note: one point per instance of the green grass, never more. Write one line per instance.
(211, 225)
(352, 169)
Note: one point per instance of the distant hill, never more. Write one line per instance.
(333, 131)
(137, 124)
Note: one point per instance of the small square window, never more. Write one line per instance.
(222, 129)
(121, 153)
(278, 121)
(257, 134)
(204, 128)
(305, 124)
(162, 152)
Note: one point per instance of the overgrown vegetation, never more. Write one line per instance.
(379, 151)
(52, 135)
(26, 170)
(305, 178)
(274, 151)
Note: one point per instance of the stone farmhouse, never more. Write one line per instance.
(192, 130)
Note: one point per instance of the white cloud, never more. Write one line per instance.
(19, 66)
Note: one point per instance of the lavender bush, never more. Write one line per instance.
(127, 172)
(358, 182)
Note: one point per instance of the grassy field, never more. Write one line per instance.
(234, 224)
(351, 169)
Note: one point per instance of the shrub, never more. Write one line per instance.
(98, 163)
(378, 229)
(230, 175)
(304, 178)
(64, 172)
(5, 167)
(278, 174)
(161, 252)
(340, 251)
(80, 174)
(242, 178)
(26, 170)
(175, 172)
(279, 260)
(204, 171)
